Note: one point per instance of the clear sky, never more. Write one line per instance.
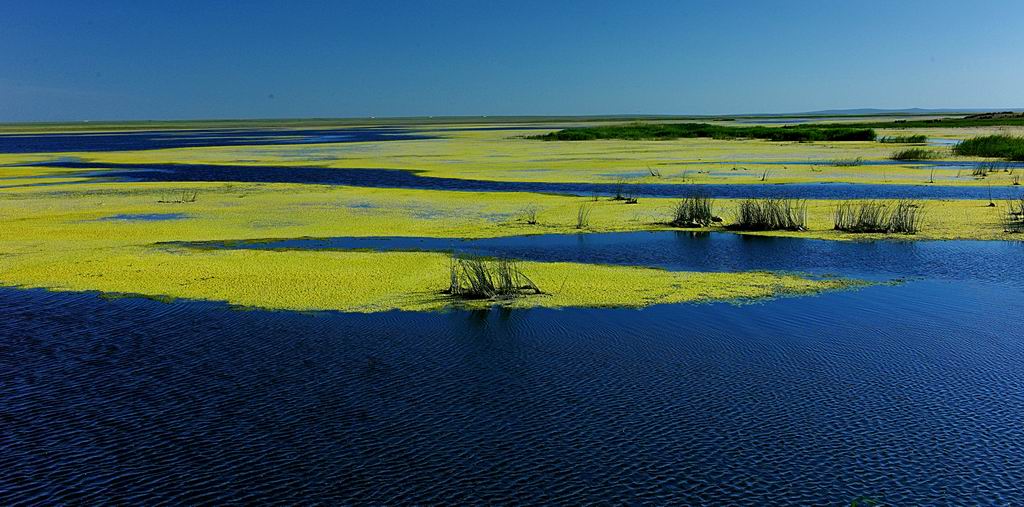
(77, 60)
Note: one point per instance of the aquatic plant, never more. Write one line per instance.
(914, 154)
(663, 131)
(583, 216)
(479, 278)
(185, 197)
(888, 217)
(622, 194)
(529, 215)
(1013, 219)
(693, 211)
(910, 139)
(996, 145)
(847, 162)
(771, 215)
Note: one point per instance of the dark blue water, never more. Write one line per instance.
(146, 217)
(910, 395)
(395, 178)
(161, 139)
(702, 251)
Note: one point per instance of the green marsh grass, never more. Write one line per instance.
(1013, 219)
(771, 215)
(664, 131)
(911, 139)
(583, 216)
(914, 154)
(479, 278)
(693, 211)
(998, 145)
(888, 217)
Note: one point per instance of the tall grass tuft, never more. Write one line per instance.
(694, 211)
(997, 145)
(478, 278)
(847, 162)
(890, 217)
(583, 216)
(1013, 220)
(912, 139)
(771, 215)
(914, 154)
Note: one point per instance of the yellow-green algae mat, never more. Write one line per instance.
(369, 281)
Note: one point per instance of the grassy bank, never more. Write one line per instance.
(665, 131)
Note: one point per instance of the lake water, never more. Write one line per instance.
(395, 178)
(909, 394)
(161, 139)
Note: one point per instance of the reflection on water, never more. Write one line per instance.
(907, 394)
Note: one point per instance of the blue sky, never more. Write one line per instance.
(78, 60)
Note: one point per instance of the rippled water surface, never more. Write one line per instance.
(909, 394)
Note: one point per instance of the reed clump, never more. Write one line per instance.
(888, 217)
(771, 214)
(479, 278)
(911, 139)
(583, 216)
(847, 162)
(914, 154)
(997, 145)
(694, 211)
(1013, 220)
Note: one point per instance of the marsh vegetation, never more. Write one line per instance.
(694, 211)
(887, 217)
(478, 278)
(1013, 220)
(908, 139)
(997, 145)
(665, 131)
(771, 215)
(914, 154)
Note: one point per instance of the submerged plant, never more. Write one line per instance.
(478, 278)
(771, 215)
(694, 211)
